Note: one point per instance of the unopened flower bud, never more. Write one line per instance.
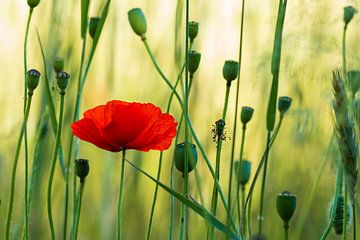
(93, 25)
(33, 3)
(246, 114)
(137, 21)
(194, 61)
(32, 79)
(193, 30)
(82, 168)
(179, 156)
(58, 64)
(349, 13)
(243, 174)
(230, 70)
(354, 78)
(284, 104)
(62, 80)
(286, 205)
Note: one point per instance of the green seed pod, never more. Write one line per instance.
(194, 61)
(179, 156)
(58, 64)
(230, 70)
(193, 30)
(339, 215)
(285, 205)
(33, 3)
(93, 24)
(32, 79)
(354, 78)
(284, 104)
(246, 114)
(245, 171)
(137, 21)
(349, 13)
(62, 80)
(82, 168)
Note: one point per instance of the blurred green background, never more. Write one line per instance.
(122, 70)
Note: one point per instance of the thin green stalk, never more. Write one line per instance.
(262, 193)
(15, 163)
(286, 231)
(248, 220)
(344, 56)
(118, 219)
(68, 162)
(26, 215)
(339, 176)
(242, 206)
(354, 220)
(214, 198)
(344, 236)
(53, 165)
(236, 114)
(80, 194)
(238, 173)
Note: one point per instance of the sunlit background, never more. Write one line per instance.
(123, 70)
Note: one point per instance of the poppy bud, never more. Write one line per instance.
(194, 61)
(137, 21)
(179, 156)
(93, 24)
(32, 79)
(246, 114)
(245, 171)
(33, 3)
(193, 30)
(58, 64)
(82, 168)
(354, 78)
(286, 204)
(284, 104)
(339, 215)
(62, 80)
(349, 13)
(220, 125)
(230, 70)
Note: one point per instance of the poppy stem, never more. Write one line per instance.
(236, 113)
(53, 165)
(118, 230)
(15, 163)
(80, 194)
(26, 169)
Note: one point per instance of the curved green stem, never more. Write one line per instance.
(262, 193)
(26, 203)
(333, 207)
(80, 194)
(248, 220)
(15, 163)
(118, 219)
(53, 164)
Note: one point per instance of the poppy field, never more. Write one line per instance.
(179, 119)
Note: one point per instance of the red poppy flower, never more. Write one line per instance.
(122, 125)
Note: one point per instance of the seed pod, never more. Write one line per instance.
(354, 78)
(93, 24)
(32, 79)
(230, 70)
(193, 30)
(194, 61)
(349, 13)
(284, 104)
(179, 156)
(246, 114)
(245, 171)
(33, 3)
(339, 215)
(58, 64)
(82, 168)
(137, 21)
(286, 205)
(62, 80)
